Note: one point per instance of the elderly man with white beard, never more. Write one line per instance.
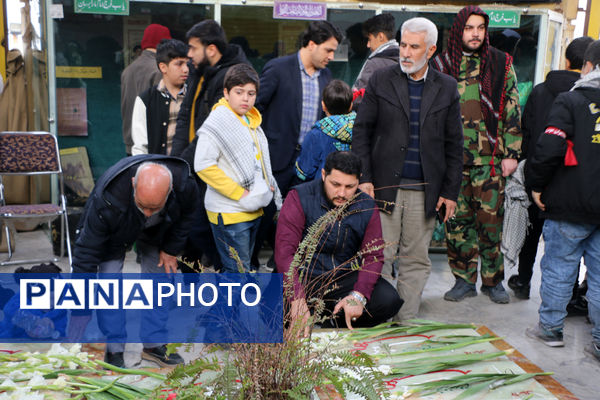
(408, 134)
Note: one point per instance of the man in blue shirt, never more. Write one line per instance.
(290, 96)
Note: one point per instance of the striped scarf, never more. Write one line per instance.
(235, 142)
(449, 60)
(453, 54)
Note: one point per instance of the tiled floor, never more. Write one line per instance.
(572, 367)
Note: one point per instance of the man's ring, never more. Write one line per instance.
(353, 319)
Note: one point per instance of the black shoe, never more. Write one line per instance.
(271, 266)
(497, 293)
(550, 337)
(594, 350)
(577, 307)
(521, 290)
(115, 359)
(159, 355)
(461, 290)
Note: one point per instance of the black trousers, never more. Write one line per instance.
(286, 178)
(200, 240)
(383, 304)
(530, 246)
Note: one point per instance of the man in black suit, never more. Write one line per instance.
(289, 100)
(290, 96)
(408, 134)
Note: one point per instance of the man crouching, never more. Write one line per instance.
(346, 265)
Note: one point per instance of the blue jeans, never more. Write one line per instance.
(241, 237)
(565, 244)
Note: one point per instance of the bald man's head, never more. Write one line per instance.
(152, 184)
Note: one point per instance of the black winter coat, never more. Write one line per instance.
(381, 136)
(570, 193)
(210, 93)
(112, 222)
(539, 103)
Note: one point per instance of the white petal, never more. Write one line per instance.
(76, 348)
(385, 369)
(33, 361)
(37, 380)
(60, 381)
(57, 349)
(17, 374)
(8, 383)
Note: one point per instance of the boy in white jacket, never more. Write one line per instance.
(232, 157)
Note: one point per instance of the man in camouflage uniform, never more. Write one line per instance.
(489, 103)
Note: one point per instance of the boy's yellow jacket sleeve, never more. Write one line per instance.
(218, 180)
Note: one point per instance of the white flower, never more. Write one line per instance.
(37, 380)
(71, 365)
(18, 374)
(60, 381)
(76, 348)
(23, 393)
(33, 361)
(384, 369)
(57, 349)
(57, 363)
(8, 383)
(350, 373)
(83, 356)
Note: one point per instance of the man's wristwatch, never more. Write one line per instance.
(359, 297)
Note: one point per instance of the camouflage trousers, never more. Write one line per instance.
(476, 230)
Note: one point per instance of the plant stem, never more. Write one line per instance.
(130, 371)
(438, 348)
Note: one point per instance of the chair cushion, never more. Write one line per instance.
(29, 209)
(28, 152)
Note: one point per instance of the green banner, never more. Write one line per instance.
(504, 18)
(115, 7)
